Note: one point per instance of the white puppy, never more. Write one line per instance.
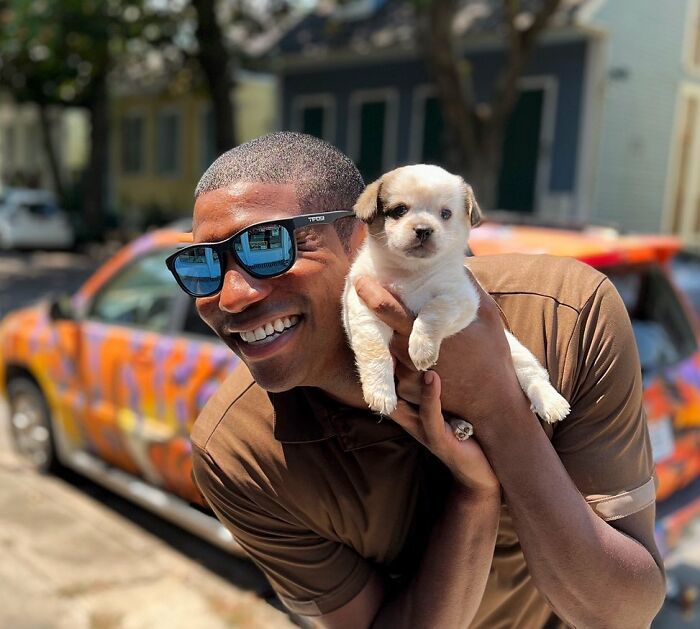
(419, 220)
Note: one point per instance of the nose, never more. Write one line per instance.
(240, 291)
(422, 232)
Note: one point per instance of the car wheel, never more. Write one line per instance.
(30, 425)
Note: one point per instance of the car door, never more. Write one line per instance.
(126, 338)
(187, 375)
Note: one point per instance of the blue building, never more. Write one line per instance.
(606, 77)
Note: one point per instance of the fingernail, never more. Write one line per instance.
(428, 377)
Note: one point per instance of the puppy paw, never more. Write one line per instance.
(547, 402)
(423, 351)
(383, 403)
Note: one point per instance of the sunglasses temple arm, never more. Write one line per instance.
(323, 218)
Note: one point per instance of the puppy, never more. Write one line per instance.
(419, 221)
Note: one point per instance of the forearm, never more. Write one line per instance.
(591, 573)
(449, 584)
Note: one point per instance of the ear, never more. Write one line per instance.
(369, 203)
(473, 210)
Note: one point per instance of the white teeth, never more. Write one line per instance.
(270, 328)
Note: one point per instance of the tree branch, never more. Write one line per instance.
(521, 47)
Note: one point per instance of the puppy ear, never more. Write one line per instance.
(369, 203)
(473, 210)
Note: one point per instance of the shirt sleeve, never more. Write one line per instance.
(311, 575)
(604, 442)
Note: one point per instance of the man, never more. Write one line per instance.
(367, 522)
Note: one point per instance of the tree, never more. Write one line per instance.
(475, 131)
(62, 53)
(223, 31)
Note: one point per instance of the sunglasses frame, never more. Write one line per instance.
(221, 247)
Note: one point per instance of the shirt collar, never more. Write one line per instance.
(308, 415)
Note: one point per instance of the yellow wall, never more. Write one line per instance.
(134, 194)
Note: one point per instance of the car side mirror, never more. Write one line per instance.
(61, 309)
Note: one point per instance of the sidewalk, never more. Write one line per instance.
(68, 561)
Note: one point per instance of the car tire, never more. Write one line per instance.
(30, 425)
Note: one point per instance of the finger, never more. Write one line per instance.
(406, 416)
(383, 304)
(430, 410)
(399, 349)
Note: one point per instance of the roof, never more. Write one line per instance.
(600, 247)
(370, 26)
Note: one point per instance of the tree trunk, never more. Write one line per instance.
(95, 193)
(215, 61)
(50, 149)
(474, 132)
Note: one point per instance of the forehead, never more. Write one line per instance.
(224, 211)
(425, 188)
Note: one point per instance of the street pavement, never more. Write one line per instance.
(76, 556)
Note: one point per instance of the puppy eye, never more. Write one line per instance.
(445, 214)
(397, 211)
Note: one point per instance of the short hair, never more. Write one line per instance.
(325, 178)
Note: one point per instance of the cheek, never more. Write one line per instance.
(208, 309)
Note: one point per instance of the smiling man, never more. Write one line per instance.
(362, 522)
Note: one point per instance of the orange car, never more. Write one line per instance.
(110, 380)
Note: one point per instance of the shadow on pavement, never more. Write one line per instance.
(241, 573)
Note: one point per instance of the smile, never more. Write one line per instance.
(270, 331)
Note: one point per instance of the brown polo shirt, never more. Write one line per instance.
(322, 495)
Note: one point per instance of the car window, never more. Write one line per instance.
(663, 333)
(142, 295)
(193, 323)
(686, 273)
(39, 210)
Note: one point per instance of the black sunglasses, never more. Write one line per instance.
(263, 250)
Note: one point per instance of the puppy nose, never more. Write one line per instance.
(423, 233)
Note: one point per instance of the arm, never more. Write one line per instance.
(592, 572)
(450, 581)
(321, 577)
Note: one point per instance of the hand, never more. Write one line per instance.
(478, 378)
(464, 459)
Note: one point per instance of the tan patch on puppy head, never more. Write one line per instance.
(473, 210)
(369, 204)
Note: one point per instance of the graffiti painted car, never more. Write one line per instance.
(646, 270)
(110, 380)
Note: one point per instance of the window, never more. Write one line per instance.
(168, 143)
(372, 131)
(132, 144)
(9, 148)
(193, 322)
(315, 114)
(685, 268)
(432, 144)
(141, 295)
(208, 136)
(662, 331)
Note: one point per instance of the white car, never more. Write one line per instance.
(32, 219)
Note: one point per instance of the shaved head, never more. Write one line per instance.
(325, 179)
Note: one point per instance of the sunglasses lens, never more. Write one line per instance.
(267, 250)
(199, 270)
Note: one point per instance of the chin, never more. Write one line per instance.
(273, 379)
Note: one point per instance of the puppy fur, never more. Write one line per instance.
(419, 219)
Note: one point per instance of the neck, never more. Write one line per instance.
(339, 380)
